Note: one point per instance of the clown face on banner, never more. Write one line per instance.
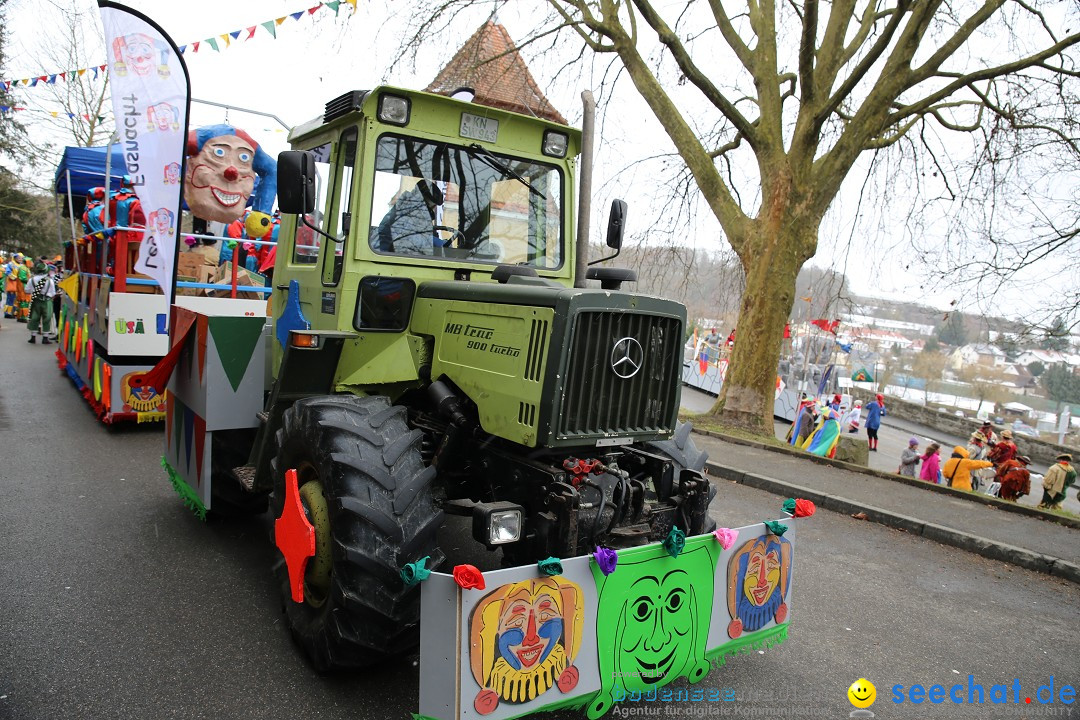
(140, 54)
(524, 637)
(222, 166)
(759, 575)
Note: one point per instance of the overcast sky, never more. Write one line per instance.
(320, 56)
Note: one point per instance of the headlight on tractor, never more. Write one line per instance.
(497, 523)
(554, 143)
(393, 110)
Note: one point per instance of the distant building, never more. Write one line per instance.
(489, 64)
(989, 356)
(876, 322)
(1047, 358)
(877, 339)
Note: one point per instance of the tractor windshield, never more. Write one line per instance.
(465, 203)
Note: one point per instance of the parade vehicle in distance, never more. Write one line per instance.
(113, 321)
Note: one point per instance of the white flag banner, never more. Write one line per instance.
(150, 94)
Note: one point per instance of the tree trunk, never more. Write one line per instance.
(772, 257)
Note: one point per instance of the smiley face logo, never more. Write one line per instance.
(862, 693)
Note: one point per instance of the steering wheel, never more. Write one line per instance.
(454, 233)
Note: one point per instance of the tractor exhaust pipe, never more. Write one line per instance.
(584, 208)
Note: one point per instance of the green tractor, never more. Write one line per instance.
(434, 351)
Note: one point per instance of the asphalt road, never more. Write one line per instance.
(118, 603)
(892, 440)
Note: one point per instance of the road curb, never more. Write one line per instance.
(914, 482)
(991, 549)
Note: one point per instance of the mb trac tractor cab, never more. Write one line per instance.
(432, 352)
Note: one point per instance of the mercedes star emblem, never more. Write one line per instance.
(626, 357)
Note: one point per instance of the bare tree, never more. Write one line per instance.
(75, 108)
(928, 367)
(770, 109)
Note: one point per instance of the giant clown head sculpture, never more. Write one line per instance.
(222, 166)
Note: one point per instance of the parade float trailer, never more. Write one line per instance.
(113, 320)
(433, 351)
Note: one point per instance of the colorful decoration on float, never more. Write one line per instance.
(140, 50)
(759, 577)
(523, 638)
(222, 164)
(625, 635)
(140, 398)
(150, 81)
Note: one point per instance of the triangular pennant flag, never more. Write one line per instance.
(95, 71)
(353, 3)
(51, 80)
(182, 48)
(280, 20)
(313, 10)
(70, 286)
(33, 83)
(168, 421)
(82, 72)
(189, 435)
(178, 425)
(225, 37)
(251, 31)
(333, 5)
(101, 67)
(235, 34)
(201, 340)
(235, 339)
(212, 43)
(270, 27)
(55, 114)
(63, 76)
(195, 46)
(297, 15)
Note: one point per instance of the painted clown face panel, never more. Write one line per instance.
(524, 637)
(138, 53)
(759, 575)
(220, 179)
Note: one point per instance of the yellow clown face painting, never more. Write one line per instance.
(523, 640)
(759, 574)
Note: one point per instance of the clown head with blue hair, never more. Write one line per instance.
(223, 162)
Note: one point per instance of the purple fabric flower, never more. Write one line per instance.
(606, 559)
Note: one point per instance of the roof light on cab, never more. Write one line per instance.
(554, 143)
(394, 110)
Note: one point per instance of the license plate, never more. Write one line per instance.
(479, 128)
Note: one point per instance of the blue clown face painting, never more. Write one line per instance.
(759, 575)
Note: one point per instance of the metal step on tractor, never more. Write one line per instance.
(433, 350)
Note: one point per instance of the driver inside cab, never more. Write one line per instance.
(409, 226)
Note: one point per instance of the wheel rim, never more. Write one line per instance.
(317, 575)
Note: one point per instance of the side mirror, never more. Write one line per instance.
(296, 182)
(616, 223)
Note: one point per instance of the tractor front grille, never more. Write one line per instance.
(597, 402)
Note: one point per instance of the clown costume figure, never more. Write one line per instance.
(42, 288)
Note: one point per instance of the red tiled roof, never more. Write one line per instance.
(489, 63)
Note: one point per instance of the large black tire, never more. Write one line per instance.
(360, 475)
(684, 452)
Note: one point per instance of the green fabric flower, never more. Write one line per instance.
(775, 528)
(675, 542)
(415, 572)
(550, 566)
(789, 506)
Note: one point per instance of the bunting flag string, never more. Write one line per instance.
(270, 26)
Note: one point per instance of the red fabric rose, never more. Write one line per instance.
(468, 577)
(781, 613)
(804, 508)
(734, 628)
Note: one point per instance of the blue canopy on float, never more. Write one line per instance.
(87, 169)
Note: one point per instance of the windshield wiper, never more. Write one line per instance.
(482, 153)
